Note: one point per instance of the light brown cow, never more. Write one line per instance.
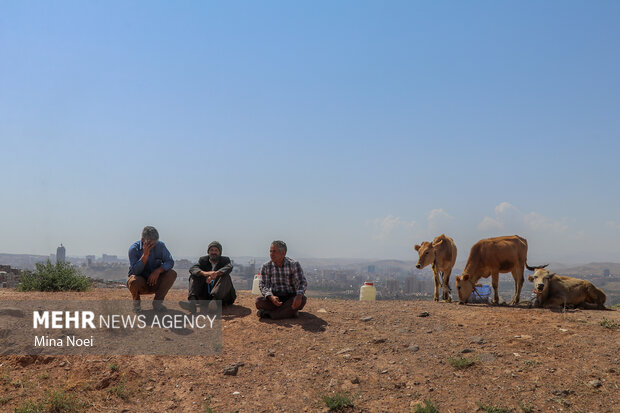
(490, 257)
(554, 290)
(441, 254)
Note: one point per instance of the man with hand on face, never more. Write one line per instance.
(150, 269)
(282, 284)
(210, 279)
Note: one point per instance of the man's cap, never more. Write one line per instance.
(216, 245)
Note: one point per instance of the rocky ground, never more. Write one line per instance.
(384, 356)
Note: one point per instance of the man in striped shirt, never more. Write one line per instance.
(282, 284)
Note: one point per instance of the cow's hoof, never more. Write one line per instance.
(436, 299)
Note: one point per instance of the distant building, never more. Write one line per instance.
(60, 254)
(371, 269)
(109, 258)
(410, 285)
(9, 277)
(90, 260)
(392, 285)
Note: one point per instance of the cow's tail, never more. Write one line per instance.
(535, 267)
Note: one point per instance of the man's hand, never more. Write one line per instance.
(154, 277)
(297, 302)
(147, 246)
(275, 300)
(210, 275)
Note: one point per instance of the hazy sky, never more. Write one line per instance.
(347, 129)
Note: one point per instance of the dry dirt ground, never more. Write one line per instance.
(524, 360)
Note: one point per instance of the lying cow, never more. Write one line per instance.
(490, 257)
(441, 254)
(554, 290)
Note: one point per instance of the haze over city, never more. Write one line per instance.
(347, 129)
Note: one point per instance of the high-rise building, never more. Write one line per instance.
(392, 285)
(60, 254)
(410, 285)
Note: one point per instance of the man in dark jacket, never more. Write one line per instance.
(210, 278)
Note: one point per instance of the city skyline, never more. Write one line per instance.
(351, 130)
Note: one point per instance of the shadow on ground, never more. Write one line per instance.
(308, 322)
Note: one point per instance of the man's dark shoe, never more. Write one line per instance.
(188, 305)
(159, 307)
(262, 314)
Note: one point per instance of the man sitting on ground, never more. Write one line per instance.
(210, 279)
(150, 269)
(282, 284)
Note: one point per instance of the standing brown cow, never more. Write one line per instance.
(441, 254)
(490, 257)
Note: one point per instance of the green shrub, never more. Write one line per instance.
(49, 277)
(608, 323)
(461, 363)
(338, 401)
(30, 407)
(61, 402)
(429, 407)
(494, 409)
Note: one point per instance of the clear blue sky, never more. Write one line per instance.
(348, 129)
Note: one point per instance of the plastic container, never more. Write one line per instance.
(368, 292)
(255, 289)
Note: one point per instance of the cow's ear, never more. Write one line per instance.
(458, 278)
(417, 247)
(438, 243)
(465, 277)
(529, 277)
(550, 275)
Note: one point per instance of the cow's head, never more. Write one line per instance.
(426, 253)
(541, 279)
(464, 287)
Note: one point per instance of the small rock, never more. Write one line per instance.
(356, 380)
(562, 393)
(384, 371)
(366, 318)
(271, 353)
(476, 340)
(466, 350)
(62, 364)
(413, 349)
(149, 388)
(487, 358)
(595, 383)
(429, 331)
(321, 310)
(236, 393)
(379, 340)
(424, 314)
(231, 371)
(344, 350)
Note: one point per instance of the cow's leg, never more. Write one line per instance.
(518, 276)
(447, 292)
(436, 278)
(495, 284)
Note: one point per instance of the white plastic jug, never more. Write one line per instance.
(255, 289)
(368, 292)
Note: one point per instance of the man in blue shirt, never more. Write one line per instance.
(150, 269)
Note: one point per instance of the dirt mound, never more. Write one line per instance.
(384, 356)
